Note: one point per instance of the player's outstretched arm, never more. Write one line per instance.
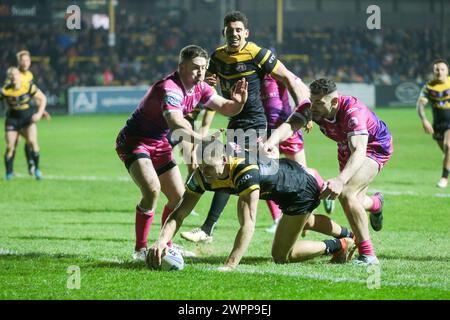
(358, 147)
(171, 227)
(295, 122)
(181, 128)
(297, 88)
(247, 207)
(232, 107)
(420, 106)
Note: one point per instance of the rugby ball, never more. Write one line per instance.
(172, 260)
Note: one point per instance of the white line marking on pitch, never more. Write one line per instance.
(127, 178)
(322, 277)
(253, 270)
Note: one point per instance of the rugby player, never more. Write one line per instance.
(20, 118)
(437, 93)
(364, 146)
(24, 63)
(241, 58)
(286, 182)
(143, 145)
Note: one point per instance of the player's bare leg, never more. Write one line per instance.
(350, 200)
(31, 139)
(144, 175)
(445, 147)
(286, 248)
(10, 139)
(323, 224)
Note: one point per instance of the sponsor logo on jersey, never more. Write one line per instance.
(173, 99)
(352, 122)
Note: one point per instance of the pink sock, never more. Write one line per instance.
(142, 226)
(376, 204)
(274, 209)
(366, 248)
(166, 213)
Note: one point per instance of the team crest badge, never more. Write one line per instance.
(240, 67)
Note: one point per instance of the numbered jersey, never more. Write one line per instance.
(251, 63)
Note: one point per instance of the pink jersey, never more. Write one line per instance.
(275, 99)
(166, 95)
(354, 118)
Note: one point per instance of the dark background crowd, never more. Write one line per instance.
(147, 46)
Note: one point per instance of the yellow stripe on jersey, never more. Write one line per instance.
(277, 64)
(439, 87)
(250, 167)
(18, 99)
(248, 190)
(268, 53)
(247, 53)
(438, 94)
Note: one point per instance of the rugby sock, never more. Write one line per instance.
(143, 223)
(9, 164)
(28, 154)
(166, 213)
(35, 156)
(366, 248)
(376, 204)
(219, 202)
(345, 233)
(274, 210)
(332, 246)
(445, 172)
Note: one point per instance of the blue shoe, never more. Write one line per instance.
(328, 205)
(8, 176)
(38, 174)
(376, 219)
(365, 260)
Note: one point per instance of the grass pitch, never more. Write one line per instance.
(82, 215)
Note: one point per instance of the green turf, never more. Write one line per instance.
(63, 221)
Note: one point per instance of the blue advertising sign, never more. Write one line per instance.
(105, 99)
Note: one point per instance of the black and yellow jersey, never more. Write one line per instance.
(27, 76)
(438, 94)
(274, 179)
(252, 63)
(17, 101)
